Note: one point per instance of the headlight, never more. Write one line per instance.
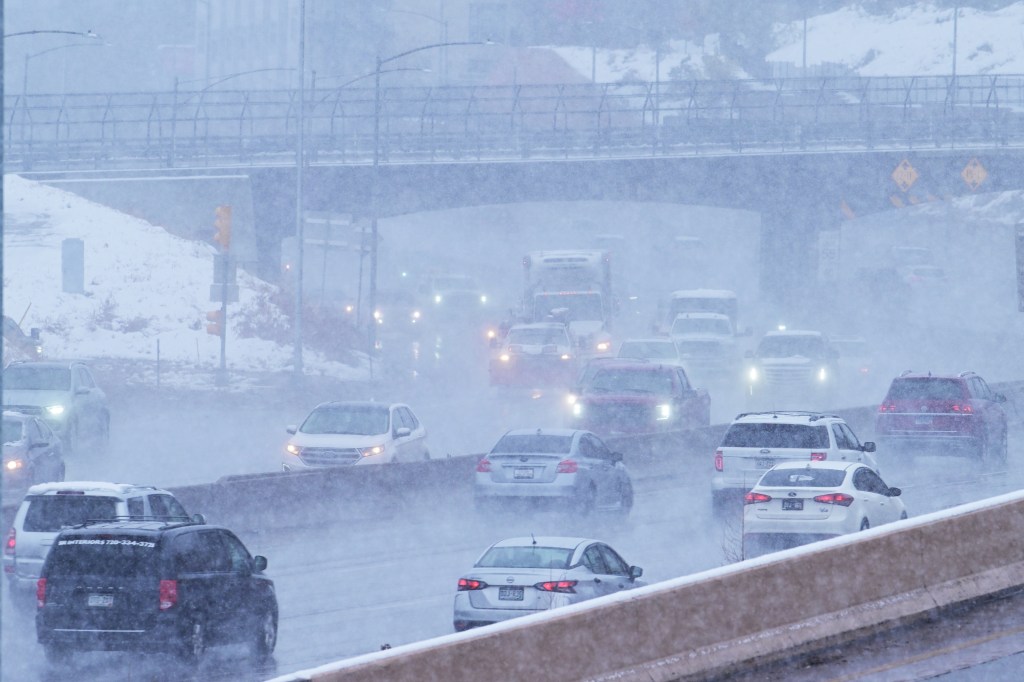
(504, 357)
(577, 409)
(566, 356)
(13, 464)
(437, 298)
(571, 398)
(415, 315)
(371, 451)
(823, 374)
(603, 346)
(664, 412)
(293, 449)
(483, 298)
(752, 374)
(55, 410)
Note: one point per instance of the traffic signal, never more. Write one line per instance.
(216, 322)
(223, 224)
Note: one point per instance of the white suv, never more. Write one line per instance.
(49, 507)
(757, 441)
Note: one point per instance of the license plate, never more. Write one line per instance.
(522, 472)
(104, 600)
(764, 463)
(923, 421)
(510, 593)
(792, 505)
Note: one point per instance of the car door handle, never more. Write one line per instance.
(597, 580)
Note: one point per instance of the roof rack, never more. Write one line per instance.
(906, 372)
(166, 519)
(966, 373)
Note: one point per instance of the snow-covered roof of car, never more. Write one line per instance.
(544, 541)
(650, 339)
(538, 325)
(702, 316)
(793, 332)
(703, 293)
(86, 487)
(792, 417)
(542, 432)
(813, 464)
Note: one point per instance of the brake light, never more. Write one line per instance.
(168, 594)
(483, 466)
(887, 407)
(41, 592)
(756, 498)
(719, 461)
(819, 456)
(963, 409)
(563, 586)
(567, 466)
(11, 543)
(468, 584)
(842, 499)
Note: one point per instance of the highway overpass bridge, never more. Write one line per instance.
(803, 153)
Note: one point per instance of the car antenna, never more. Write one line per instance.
(533, 538)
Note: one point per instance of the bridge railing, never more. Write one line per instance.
(259, 127)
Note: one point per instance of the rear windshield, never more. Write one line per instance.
(556, 445)
(50, 513)
(525, 557)
(926, 388)
(803, 478)
(776, 436)
(124, 556)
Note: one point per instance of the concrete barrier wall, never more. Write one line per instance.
(710, 622)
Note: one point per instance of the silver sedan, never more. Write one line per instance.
(572, 468)
(519, 576)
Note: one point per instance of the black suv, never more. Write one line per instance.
(172, 587)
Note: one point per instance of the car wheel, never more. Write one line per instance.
(193, 644)
(265, 636)
(626, 500)
(586, 501)
(903, 516)
(56, 654)
(864, 524)
(71, 438)
(103, 436)
(60, 473)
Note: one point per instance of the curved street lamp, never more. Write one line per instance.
(29, 57)
(375, 178)
(84, 34)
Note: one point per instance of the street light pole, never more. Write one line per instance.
(84, 34)
(29, 57)
(299, 217)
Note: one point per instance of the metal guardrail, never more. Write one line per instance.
(499, 122)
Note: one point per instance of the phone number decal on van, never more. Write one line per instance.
(129, 543)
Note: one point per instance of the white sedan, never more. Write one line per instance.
(519, 576)
(799, 502)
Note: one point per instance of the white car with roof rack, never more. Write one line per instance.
(757, 441)
(47, 508)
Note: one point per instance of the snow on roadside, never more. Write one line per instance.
(143, 286)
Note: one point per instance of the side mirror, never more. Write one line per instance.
(291, 428)
(1000, 398)
(868, 447)
(616, 457)
(895, 492)
(635, 572)
(198, 518)
(259, 563)
(402, 432)
(34, 333)
(82, 390)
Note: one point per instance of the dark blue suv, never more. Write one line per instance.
(172, 587)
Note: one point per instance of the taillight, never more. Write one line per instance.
(719, 461)
(41, 592)
(755, 498)
(887, 407)
(168, 594)
(468, 584)
(819, 456)
(567, 466)
(564, 586)
(963, 409)
(483, 466)
(11, 543)
(842, 499)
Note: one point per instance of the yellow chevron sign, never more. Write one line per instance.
(974, 173)
(905, 175)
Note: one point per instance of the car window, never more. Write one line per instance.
(594, 562)
(530, 556)
(32, 430)
(638, 380)
(410, 419)
(851, 437)
(37, 378)
(108, 556)
(926, 388)
(45, 432)
(771, 435)
(615, 564)
(136, 508)
(50, 513)
(587, 447)
(166, 506)
(238, 555)
(201, 553)
(541, 443)
(684, 381)
(84, 378)
(12, 428)
(873, 482)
